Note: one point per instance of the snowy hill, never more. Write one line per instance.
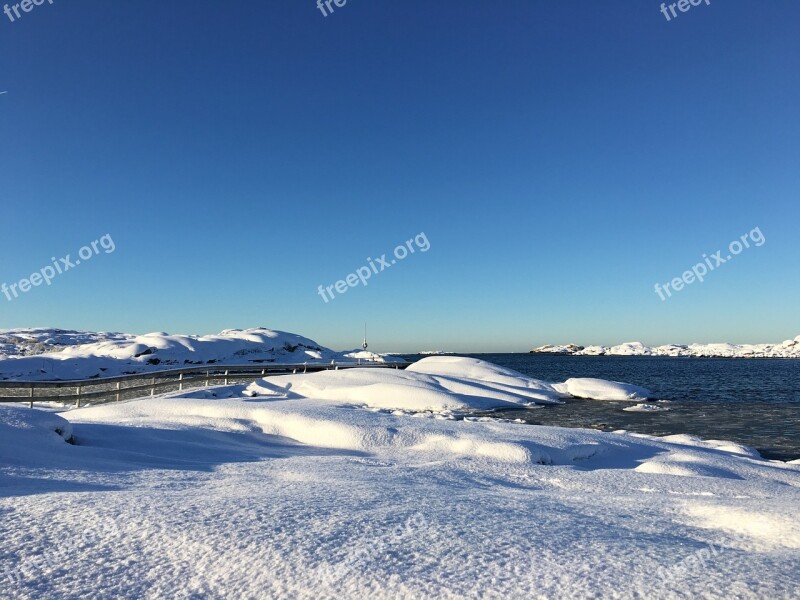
(787, 349)
(44, 354)
(38, 340)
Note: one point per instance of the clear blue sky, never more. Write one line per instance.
(561, 157)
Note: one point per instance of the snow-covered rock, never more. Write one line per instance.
(593, 351)
(787, 349)
(91, 355)
(550, 349)
(38, 340)
(432, 384)
(600, 389)
(630, 349)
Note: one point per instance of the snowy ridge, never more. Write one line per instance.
(80, 355)
(38, 340)
(786, 349)
(302, 486)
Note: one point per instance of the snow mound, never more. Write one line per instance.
(599, 389)
(432, 384)
(474, 369)
(26, 433)
(718, 445)
(765, 528)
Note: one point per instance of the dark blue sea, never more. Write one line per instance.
(755, 402)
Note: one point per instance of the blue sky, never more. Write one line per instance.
(561, 157)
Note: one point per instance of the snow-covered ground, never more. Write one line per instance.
(365, 484)
(787, 349)
(46, 354)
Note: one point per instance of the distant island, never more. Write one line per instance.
(786, 349)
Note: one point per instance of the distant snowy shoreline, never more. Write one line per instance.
(786, 349)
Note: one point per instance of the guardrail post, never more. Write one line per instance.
(32, 388)
(208, 377)
(153, 388)
(180, 384)
(226, 376)
(118, 385)
(263, 371)
(78, 399)
(305, 367)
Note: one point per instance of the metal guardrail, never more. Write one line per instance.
(190, 377)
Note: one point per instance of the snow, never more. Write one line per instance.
(630, 349)
(81, 355)
(27, 435)
(38, 340)
(472, 369)
(589, 351)
(558, 349)
(365, 355)
(787, 349)
(599, 389)
(643, 407)
(302, 486)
